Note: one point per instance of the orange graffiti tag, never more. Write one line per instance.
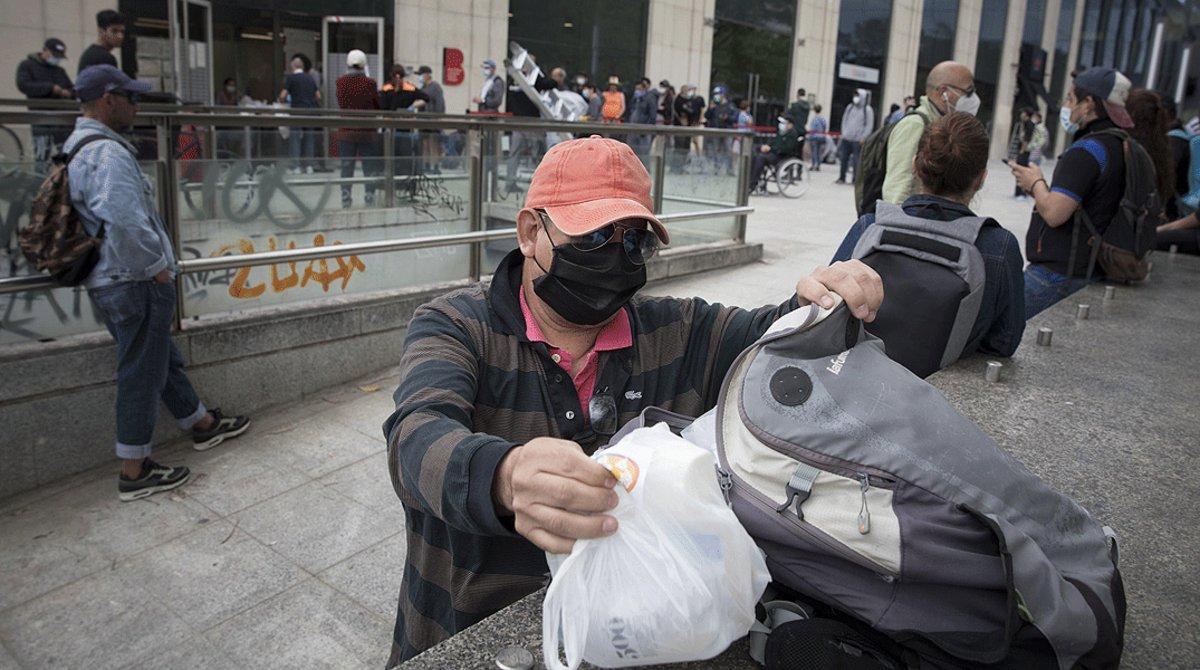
(316, 271)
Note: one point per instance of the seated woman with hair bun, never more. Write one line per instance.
(917, 321)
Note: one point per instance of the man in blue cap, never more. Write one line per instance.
(1090, 176)
(492, 93)
(131, 286)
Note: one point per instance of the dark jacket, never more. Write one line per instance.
(645, 108)
(437, 98)
(472, 387)
(519, 104)
(689, 111)
(36, 78)
(393, 99)
(1001, 320)
(95, 55)
(723, 115)
(798, 112)
(786, 144)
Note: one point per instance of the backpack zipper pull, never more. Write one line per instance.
(725, 482)
(864, 514)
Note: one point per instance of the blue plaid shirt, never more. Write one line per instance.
(108, 186)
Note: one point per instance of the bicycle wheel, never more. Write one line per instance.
(11, 152)
(789, 178)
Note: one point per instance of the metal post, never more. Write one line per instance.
(165, 173)
(389, 166)
(743, 191)
(475, 190)
(658, 151)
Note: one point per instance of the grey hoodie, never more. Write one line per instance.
(859, 119)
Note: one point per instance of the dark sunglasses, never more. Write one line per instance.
(968, 92)
(640, 243)
(131, 97)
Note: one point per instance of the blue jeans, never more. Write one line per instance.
(816, 147)
(848, 153)
(1044, 287)
(302, 147)
(149, 365)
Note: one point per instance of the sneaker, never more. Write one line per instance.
(308, 170)
(154, 478)
(224, 428)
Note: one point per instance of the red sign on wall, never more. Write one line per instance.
(452, 66)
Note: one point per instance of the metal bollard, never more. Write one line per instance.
(992, 374)
(1044, 336)
(1174, 249)
(1110, 292)
(514, 658)
(1082, 312)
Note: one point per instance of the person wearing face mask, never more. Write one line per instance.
(785, 144)
(578, 82)
(492, 94)
(1089, 179)
(41, 76)
(858, 120)
(227, 95)
(506, 387)
(595, 102)
(645, 111)
(949, 87)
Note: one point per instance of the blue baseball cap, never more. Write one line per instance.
(1110, 87)
(488, 62)
(95, 81)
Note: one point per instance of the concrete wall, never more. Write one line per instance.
(25, 25)
(814, 60)
(478, 27)
(57, 399)
(679, 42)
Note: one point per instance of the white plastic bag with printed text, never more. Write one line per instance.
(677, 582)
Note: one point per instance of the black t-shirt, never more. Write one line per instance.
(303, 89)
(96, 55)
(1091, 172)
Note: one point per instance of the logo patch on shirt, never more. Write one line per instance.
(633, 395)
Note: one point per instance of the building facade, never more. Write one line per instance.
(1021, 51)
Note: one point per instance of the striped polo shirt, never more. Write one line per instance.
(473, 386)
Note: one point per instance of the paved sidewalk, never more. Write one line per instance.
(287, 547)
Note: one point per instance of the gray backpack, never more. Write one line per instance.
(934, 276)
(870, 495)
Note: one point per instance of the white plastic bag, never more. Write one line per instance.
(677, 582)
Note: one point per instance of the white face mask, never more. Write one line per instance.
(298, 70)
(487, 71)
(857, 98)
(54, 60)
(782, 128)
(580, 81)
(1064, 117)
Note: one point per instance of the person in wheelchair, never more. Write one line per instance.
(786, 144)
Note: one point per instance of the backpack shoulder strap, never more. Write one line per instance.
(1180, 133)
(83, 143)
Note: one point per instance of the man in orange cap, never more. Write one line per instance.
(505, 388)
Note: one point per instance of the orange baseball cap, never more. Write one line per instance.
(588, 183)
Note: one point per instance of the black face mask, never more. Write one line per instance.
(588, 287)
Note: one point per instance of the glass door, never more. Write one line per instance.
(342, 34)
(191, 28)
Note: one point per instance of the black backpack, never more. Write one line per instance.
(1121, 248)
(872, 165)
(55, 240)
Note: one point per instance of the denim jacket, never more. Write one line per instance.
(1001, 321)
(107, 185)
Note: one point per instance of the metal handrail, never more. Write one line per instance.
(373, 120)
(260, 258)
